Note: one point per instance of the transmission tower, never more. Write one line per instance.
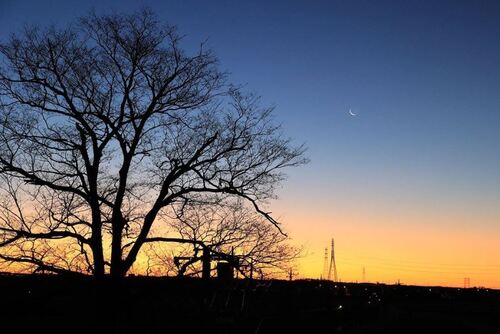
(325, 265)
(333, 266)
(364, 275)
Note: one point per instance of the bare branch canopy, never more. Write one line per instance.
(109, 125)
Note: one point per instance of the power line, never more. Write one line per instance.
(419, 269)
(411, 262)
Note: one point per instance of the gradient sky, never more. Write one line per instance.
(410, 187)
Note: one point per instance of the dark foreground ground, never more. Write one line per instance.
(52, 304)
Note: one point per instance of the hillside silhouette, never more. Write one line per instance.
(56, 304)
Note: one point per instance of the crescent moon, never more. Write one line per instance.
(351, 113)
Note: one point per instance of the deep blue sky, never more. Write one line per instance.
(423, 77)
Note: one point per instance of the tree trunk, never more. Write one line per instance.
(97, 253)
(117, 267)
(96, 243)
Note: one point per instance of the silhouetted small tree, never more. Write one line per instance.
(106, 126)
(231, 230)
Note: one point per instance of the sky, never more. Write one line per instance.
(410, 186)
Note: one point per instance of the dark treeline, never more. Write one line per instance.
(55, 304)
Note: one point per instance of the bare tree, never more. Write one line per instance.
(231, 231)
(107, 125)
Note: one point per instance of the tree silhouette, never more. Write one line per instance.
(231, 231)
(106, 126)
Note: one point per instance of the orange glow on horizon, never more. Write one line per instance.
(394, 249)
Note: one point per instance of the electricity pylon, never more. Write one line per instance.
(333, 267)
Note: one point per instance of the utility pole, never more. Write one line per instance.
(251, 268)
(206, 263)
(364, 275)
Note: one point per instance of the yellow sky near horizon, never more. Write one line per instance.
(405, 246)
